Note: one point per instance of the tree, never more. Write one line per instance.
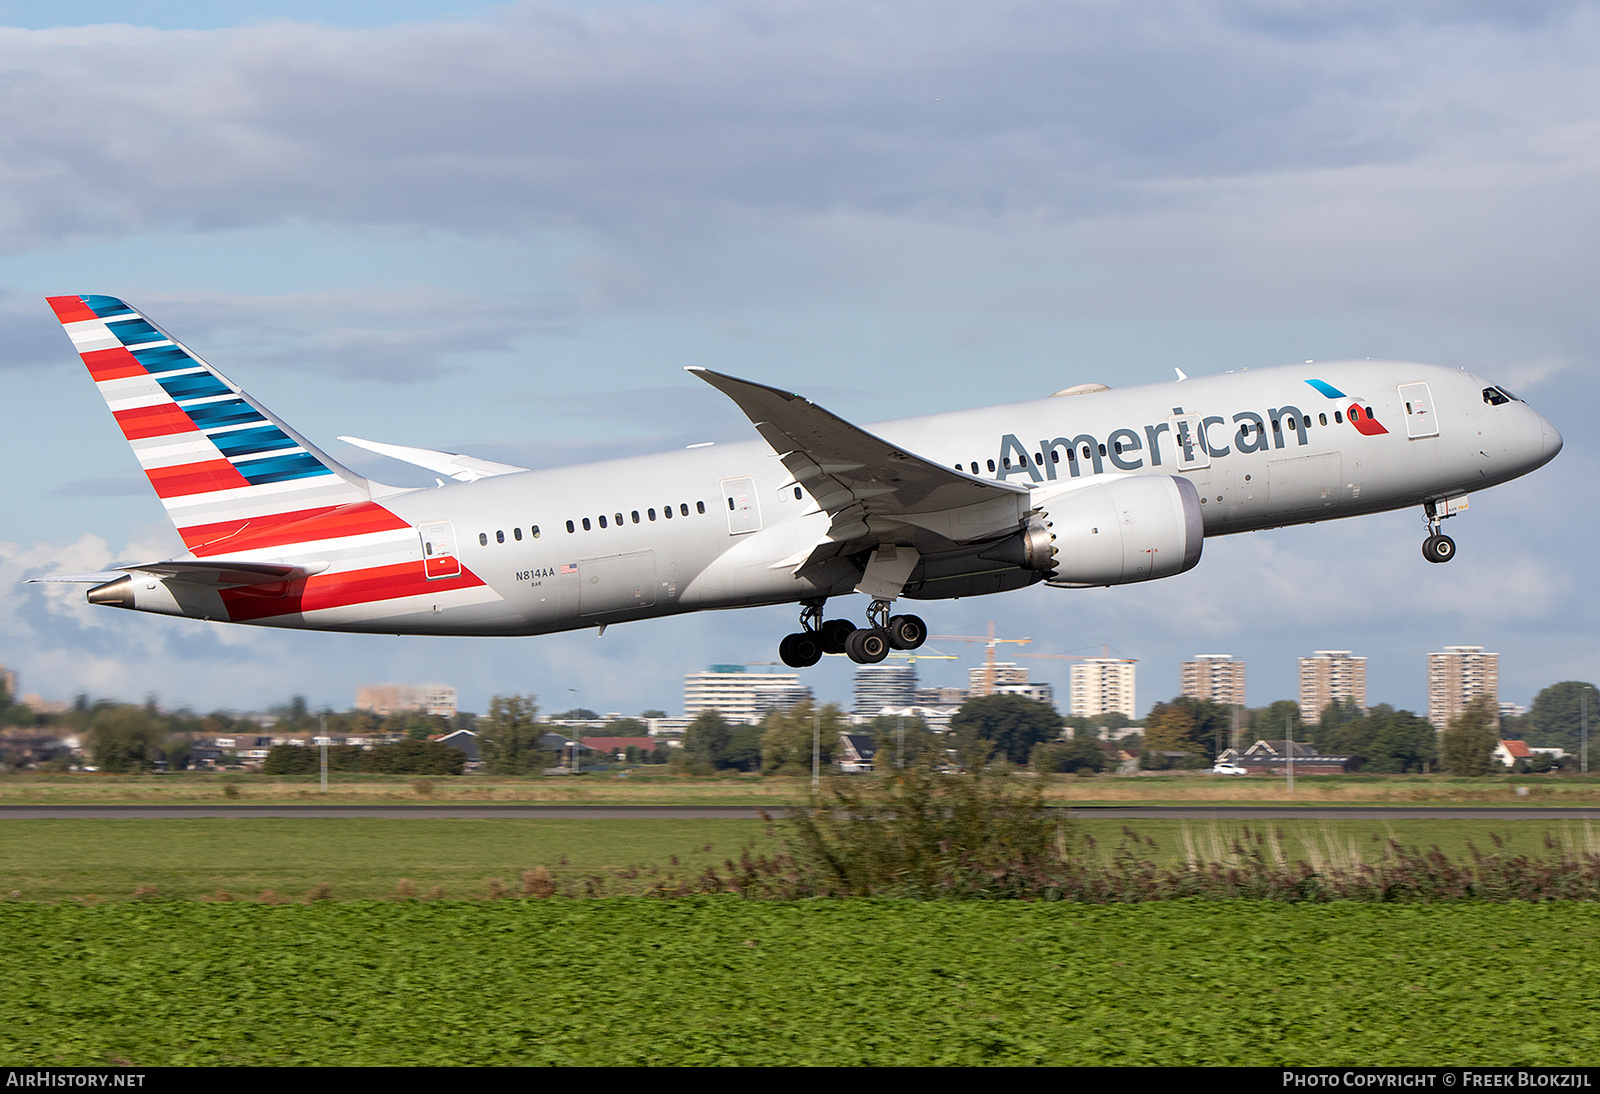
(1387, 741)
(1266, 723)
(125, 738)
(1006, 726)
(1171, 727)
(1556, 717)
(705, 741)
(1078, 753)
(786, 738)
(1467, 746)
(508, 736)
(902, 741)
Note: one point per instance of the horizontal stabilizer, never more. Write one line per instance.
(458, 467)
(216, 573)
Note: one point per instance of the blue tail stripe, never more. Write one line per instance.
(216, 415)
(1326, 388)
(293, 465)
(194, 385)
(130, 332)
(245, 442)
(105, 306)
(163, 358)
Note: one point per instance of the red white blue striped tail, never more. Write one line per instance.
(226, 469)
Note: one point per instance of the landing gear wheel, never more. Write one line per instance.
(907, 632)
(868, 646)
(1438, 548)
(800, 650)
(835, 633)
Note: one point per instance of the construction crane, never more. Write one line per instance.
(990, 642)
(989, 656)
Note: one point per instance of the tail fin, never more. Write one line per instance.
(220, 462)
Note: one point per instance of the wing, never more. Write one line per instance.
(875, 491)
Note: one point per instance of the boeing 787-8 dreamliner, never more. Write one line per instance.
(1090, 486)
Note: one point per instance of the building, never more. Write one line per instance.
(1006, 673)
(740, 696)
(1102, 685)
(1331, 676)
(1214, 678)
(879, 686)
(385, 699)
(1456, 676)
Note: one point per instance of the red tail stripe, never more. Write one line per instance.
(70, 309)
(197, 534)
(112, 364)
(339, 590)
(346, 520)
(161, 420)
(195, 478)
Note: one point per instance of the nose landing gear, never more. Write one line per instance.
(864, 645)
(1439, 547)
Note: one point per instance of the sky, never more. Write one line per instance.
(506, 229)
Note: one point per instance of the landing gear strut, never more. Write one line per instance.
(864, 645)
(1438, 547)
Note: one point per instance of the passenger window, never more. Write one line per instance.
(619, 520)
(1005, 462)
(499, 537)
(798, 493)
(683, 507)
(483, 539)
(636, 516)
(700, 506)
(586, 527)
(1322, 419)
(1102, 450)
(570, 528)
(1038, 459)
(1338, 416)
(991, 467)
(667, 512)
(651, 513)
(602, 520)
(974, 467)
(536, 531)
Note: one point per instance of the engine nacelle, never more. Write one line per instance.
(1128, 529)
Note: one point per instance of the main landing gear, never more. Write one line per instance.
(864, 645)
(1438, 547)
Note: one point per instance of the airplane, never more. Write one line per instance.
(1090, 486)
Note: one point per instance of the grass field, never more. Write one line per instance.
(708, 981)
(367, 858)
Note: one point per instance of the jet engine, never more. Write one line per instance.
(1110, 533)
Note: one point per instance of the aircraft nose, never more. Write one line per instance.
(1552, 439)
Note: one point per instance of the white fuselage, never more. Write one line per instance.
(738, 530)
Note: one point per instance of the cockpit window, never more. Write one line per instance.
(1494, 396)
(1508, 395)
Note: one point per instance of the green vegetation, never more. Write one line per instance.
(404, 757)
(354, 858)
(711, 981)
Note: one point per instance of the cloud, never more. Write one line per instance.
(664, 118)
